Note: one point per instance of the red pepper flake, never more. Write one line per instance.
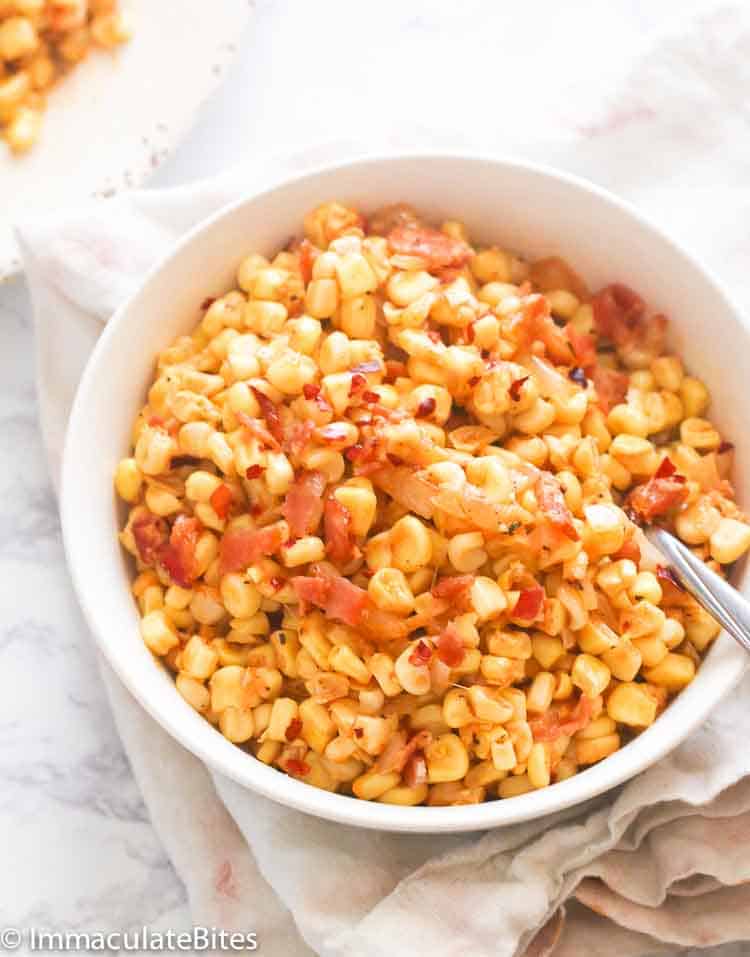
(394, 369)
(370, 396)
(516, 386)
(354, 452)
(293, 729)
(358, 382)
(372, 365)
(208, 302)
(254, 471)
(725, 447)
(666, 468)
(359, 732)
(222, 500)
(474, 381)
(421, 654)
(298, 768)
(394, 459)
(276, 583)
(470, 331)
(156, 422)
(289, 542)
(256, 509)
(310, 391)
(426, 407)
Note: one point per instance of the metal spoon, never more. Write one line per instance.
(717, 596)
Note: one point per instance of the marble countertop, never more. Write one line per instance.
(79, 850)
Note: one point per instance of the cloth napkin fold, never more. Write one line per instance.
(660, 864)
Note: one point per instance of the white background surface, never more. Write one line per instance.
(79, 851)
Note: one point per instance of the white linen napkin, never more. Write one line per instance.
(659, 864)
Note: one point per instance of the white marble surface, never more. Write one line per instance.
(79, 851)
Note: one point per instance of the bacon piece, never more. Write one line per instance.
(630, 549)
(221, 500)
(398, 750)
(307, 255)
(258, 430)
(450, 647)
(530, 604)
(433, 247)
(178, 556)
(336, 596)
(666, 468)
(270, 413)
(421, 654)
(611, 386)
(242, 547)
(411, 490)
(151, 534)
(254, 471)
(455, 587)
(618, 311)
(563, 721)
(552, 503)
(297, 437)
(584, 350)
(386, 218)
(337, 522)
(303, 505)
(533, 322)
(657, 497)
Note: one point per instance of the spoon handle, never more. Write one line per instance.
(717, 596)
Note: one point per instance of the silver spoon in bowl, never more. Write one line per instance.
(716, 595)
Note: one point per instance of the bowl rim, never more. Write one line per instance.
(227, 759)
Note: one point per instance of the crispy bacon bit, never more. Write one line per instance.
(455, 588)
(421, 654)
(178, 556)
(336, 596)
(611, 386)
(254, 471)
(221, 500)
(584, 350)
(666, 574)
(426, 407)
(299, 769)
(553, 505)
(363, 368)
(515, 388)
(307, 255)
(415, 770)
(151, 533)
(664, 491)
(565, 720)
(725, 447)
(303, 505)
(398, 750)
(337, 522)
(297, 437)
(258, 430)
(436, 249)
(618, 310)
(370, 397)
(450, 647)
(242, 547)
(293, 729)
(270, 413)
(530, 604)
(208, 302)
(310, 391)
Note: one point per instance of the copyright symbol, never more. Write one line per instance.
(10, 938)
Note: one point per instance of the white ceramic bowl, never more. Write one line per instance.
(534, 210)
